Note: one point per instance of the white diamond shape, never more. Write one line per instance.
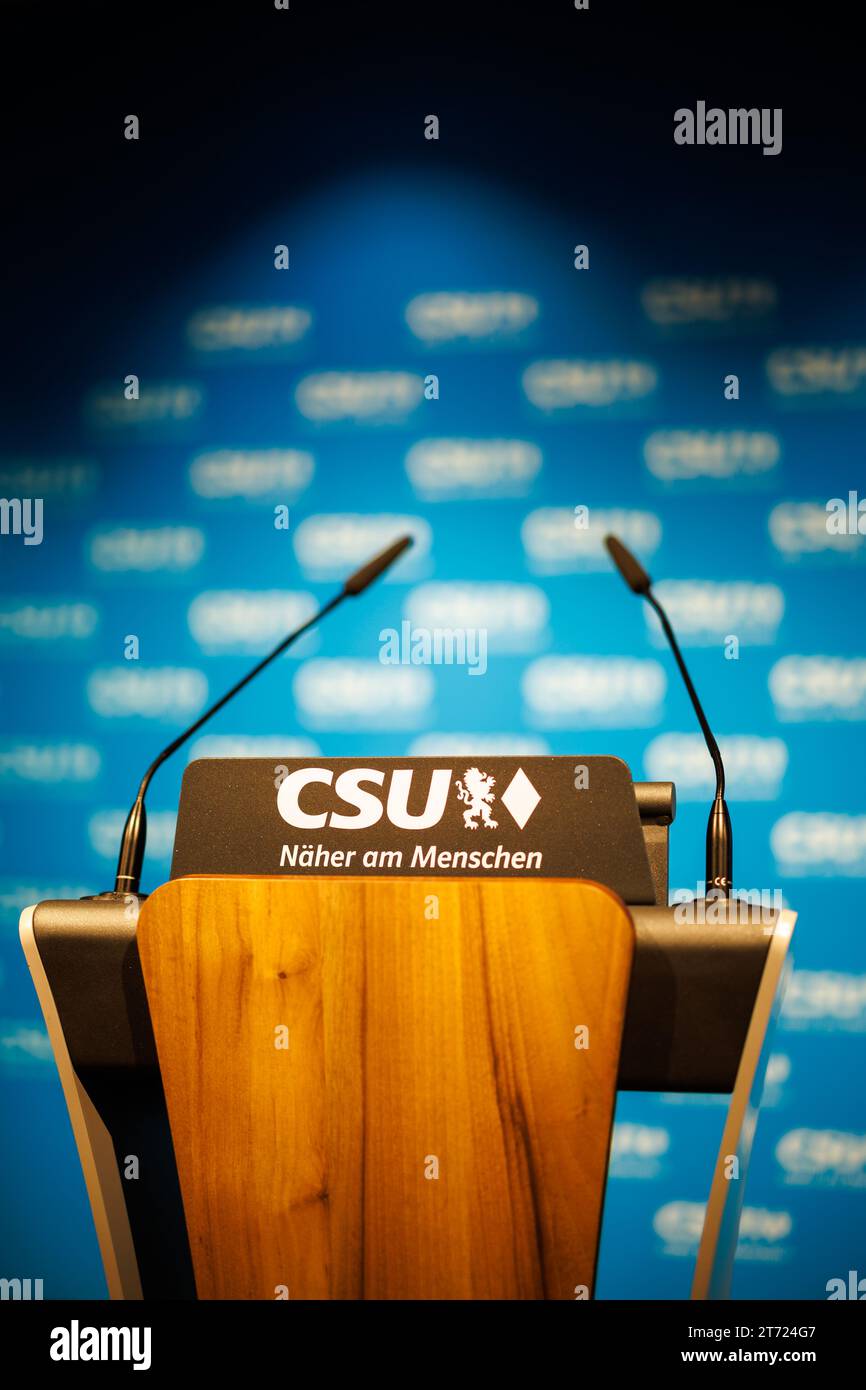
(520, 797)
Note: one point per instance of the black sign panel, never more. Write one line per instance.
(549, 817)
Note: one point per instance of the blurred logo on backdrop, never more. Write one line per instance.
(819, 844)
(719, 457)
(145, 549)
(251, 475)
(563, 540)
(254, 620)
(754, 766)
(570, 384)
(70, 479)
(799, 530)
(239, 329)
(331, 545)
(359, 397)
(157, 407)
(576, 692)
(449, 316)
(170, 693)
(638, 1151)
(514, 616)
(818, 687)
(345, 693)
(42, 763)
(818, 375)
(24, 1047)
(443, 469)
(704, 612)
(36, 623)
(825, 1001)
(822, 1158)
(762, 1236)
(677, 301)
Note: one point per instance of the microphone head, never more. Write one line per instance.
(363, 578)
(631, 570)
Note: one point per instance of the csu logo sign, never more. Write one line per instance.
(474, 791)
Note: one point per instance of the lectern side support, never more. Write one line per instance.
(93, 1141)
(389, 1088)
(718, 1247)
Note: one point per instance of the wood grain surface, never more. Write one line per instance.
(431, 1130)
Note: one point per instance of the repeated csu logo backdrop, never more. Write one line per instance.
(450, 372)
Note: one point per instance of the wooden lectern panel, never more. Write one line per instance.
(374, 1086)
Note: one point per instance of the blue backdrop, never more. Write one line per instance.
(431, 360)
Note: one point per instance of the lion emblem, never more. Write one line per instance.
(478, 795)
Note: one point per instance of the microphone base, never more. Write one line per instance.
(720, 851)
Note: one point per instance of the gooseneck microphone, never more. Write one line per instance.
(720, 844)
(131, 856)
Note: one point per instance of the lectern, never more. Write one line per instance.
(366, 1042)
